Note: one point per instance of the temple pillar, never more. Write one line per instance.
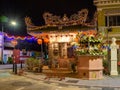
(50, 50)
(65, 50)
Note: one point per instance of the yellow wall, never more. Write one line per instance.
(101, 18)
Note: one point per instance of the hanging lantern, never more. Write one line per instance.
(39, 41)
(76, 40)
(46, 40)
(14, 42)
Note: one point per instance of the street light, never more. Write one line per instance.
(14, 42)
(13, 23)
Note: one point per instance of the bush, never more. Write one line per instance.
(0, 62)
(106, 67)
(10, 60)
(33, 64)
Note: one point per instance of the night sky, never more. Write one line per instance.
(19, 9)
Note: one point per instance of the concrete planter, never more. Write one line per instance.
(90, 67)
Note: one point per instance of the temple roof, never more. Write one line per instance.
(57, 23)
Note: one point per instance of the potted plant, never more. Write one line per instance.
(90, 51)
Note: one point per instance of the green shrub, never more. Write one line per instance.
(10, 60)
(0, 62)
(106, 67)
(32, 63)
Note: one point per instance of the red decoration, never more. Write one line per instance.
(18, 37)
(39, 41)
(46, 40)
(119, 63)
(14, 42)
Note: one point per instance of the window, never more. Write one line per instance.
(112, 20)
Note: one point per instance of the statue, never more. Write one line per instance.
(114, 48)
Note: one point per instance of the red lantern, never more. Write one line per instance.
(39, 41)
(46, 40)
(14, 42)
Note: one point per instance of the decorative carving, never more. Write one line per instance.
(57, 21)
(79, 18)
(50, 19)
(29, 23)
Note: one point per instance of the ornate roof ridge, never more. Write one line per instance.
(56, 21)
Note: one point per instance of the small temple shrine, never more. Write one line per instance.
(59, 34)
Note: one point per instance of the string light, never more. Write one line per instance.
(19, 37)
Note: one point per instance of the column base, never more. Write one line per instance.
(113, 73)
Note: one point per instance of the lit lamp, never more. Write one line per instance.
(46, 40)
(39, 41)
(13, 23)
(14, 42)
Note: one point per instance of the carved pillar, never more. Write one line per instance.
(65, 50)
(50, 50)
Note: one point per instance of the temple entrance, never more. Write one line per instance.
(58, 50)
(59, 44)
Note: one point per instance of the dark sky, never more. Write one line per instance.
(18, 9)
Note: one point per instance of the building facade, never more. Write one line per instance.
(109, 18)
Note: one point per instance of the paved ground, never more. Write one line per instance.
(9, 81)
(107, 81)
(35, 81)
(9, 66)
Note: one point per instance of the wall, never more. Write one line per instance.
(6, 54)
